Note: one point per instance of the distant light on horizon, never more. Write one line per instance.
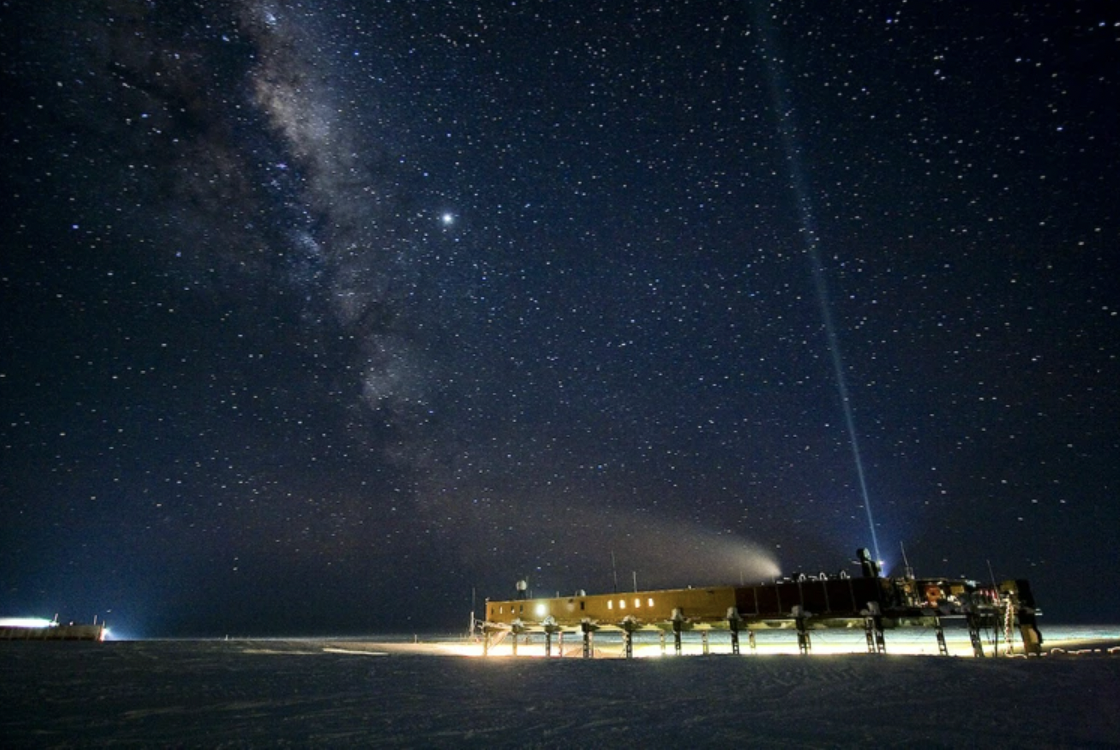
(25, 622)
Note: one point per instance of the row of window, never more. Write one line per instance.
(611, 604)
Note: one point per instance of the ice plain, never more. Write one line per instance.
(393, 693)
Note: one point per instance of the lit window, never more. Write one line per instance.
(622, 604)
(610, 604)
(651, 602)
(637, 603)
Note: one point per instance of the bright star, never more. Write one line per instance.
(447, 219)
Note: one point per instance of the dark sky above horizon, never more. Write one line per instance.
(317, 316)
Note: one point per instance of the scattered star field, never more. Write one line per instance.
(318, 317)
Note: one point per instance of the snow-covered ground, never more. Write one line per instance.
(389, 692)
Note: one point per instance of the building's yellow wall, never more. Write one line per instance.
(710, 604)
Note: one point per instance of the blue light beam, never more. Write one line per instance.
(787, 129)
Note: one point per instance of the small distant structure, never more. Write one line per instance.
(44, 630)
(802, 603)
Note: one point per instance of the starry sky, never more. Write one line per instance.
(334, 317)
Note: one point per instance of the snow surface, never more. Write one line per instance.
(330, 693)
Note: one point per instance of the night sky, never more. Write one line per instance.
(317, 316)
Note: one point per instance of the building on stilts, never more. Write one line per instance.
(802, 604)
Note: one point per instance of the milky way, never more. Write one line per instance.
(349, 237)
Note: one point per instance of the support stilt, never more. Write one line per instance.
(586, 628)
(547, 643)
(704, 641)
(678, 625)
(974, 634)
(804, 641)
(942, 647)
(629, 625)
(751, 642)
(662, 639)
(873, 629)
(1028, 629)
(485, 642)
(733, 621)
